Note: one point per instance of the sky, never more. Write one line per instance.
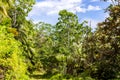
(91, 10)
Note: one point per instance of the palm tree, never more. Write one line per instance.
(4, 7)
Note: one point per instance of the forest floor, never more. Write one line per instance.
(40, 76)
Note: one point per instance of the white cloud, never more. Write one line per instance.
(71, 1)
(94, 0)
(79, 9)
(51, 7)
(90, 8)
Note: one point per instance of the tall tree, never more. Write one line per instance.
(23, 27)
(106, 40)
(69, 36)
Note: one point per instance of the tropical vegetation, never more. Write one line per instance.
(68, 50)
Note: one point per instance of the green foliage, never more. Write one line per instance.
(4, 7)
(69, 36)
(67, 50)
(69, 77)
(23, 29)
(11, 59)
(109, 42)
(59, 47)
(44, 46)
(103, 47)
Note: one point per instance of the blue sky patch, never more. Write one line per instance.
(90, 10)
